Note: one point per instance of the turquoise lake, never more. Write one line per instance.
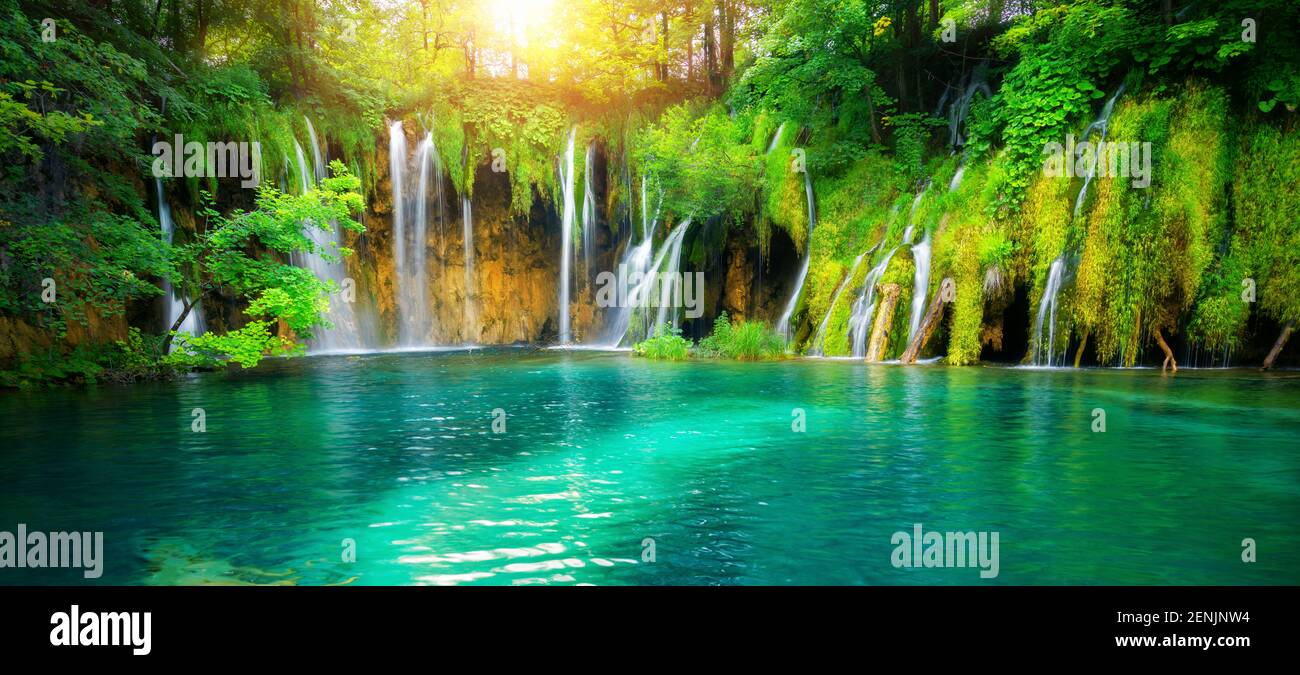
(605, 459)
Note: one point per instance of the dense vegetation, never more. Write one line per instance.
(722, 104)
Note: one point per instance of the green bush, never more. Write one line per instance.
(744, 341)
(667, 344)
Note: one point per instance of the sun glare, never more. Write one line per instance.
(519, 15)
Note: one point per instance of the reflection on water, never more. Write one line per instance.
(606, 455)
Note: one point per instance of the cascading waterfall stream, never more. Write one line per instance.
(1042, 351)
(318, 160)
(173, 302)
(1100, 127)
(920, 284)
(819, 339)
(345, 333)
(416, 323)
(467, 236)
(776, 138)
(645, 273)
(957, 175)
(304, 178)
(916, 201)
(1047, 308)
(588, 209)
(566, 236)
(397, 177)
(865, 306)
(670, 289)
(971, 83)
(634, 264)
(783, 324)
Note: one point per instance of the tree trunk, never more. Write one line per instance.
(1169, 353)
(176, 325)
(157, 12)
(663, 56)
(947, 290)
(884, 319)
(1078, 355)
(1277, 346)
(710, 56)
(726, 37)
(204, 15)
(871, 113)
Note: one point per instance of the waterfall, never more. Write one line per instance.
(173, 302)
(819, 339)
(783, 324)
(638, 270)
(916, 201)
(920, 284)
(960, 108)
(648, 222)
(957, 175)
(1099, 126)
(467, 235)
(345, 333)
(414, 322)
(633, 266)
(865, 306)
(588, 209)
(1046, 307)
(566, 236)
(318, 161)
(396, 164)
(921, 260)
(303, 179)
(671, 279)
(397, 177)
(776, 138)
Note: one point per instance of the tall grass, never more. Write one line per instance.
(667, 344)
(743, 341)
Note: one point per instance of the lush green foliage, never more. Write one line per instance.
(743, 341)
(666, 344)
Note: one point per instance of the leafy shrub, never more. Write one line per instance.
(245, 346)
(744, 341)
(667, 344)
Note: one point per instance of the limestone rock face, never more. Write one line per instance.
(504, 293)
(736, 287)
(18, 339)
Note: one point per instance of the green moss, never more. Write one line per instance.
(1261, 248)
(1147, 249)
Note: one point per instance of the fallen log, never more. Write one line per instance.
(1277, 346)
(947, 293)
(884, 319)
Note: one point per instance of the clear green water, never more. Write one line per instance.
(602, 451)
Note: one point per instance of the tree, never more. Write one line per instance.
(244, 251)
